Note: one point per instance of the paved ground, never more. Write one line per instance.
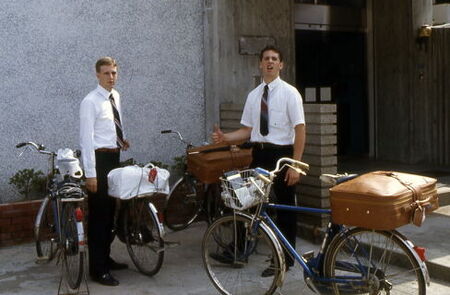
(183, 274)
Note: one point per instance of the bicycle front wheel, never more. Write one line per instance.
(373, 262)
(235, 255)
(73, 258)
(183, 205)
(143, 237)
(45, 232)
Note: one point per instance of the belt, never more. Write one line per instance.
(107, 150)
(270, 146)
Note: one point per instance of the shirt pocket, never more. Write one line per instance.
(278, 118)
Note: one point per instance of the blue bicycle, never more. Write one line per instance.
(237, 248)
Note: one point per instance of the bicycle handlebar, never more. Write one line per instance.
(38, 147)
(268, 176)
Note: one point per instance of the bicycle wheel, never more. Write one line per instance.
(143, 237)
(73, 258)
(183, 205)
(373, 262)
(45, 233)
(235, 256)
(215, 207)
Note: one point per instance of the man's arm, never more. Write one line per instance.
(242, 133)
(292, 177)
(87, 121)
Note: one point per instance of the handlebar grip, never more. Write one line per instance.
(22, 144)
(166, 131)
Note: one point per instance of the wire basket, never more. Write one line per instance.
(242, 189)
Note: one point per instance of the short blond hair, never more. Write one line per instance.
(105, 61)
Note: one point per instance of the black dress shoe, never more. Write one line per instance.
(117, 266)
(227, 258)
(105, 279)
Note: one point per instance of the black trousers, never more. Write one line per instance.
(101, 215)
(285, 220)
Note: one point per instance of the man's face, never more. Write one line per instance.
(107, 77)
(270, 65)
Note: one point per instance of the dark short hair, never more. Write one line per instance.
(105, 61)
(273, 48)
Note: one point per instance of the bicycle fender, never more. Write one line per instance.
(37, 221)
(410, 245)
(155, 215)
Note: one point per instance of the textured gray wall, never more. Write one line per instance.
(48, 49)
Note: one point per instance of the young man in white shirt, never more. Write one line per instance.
(101, 139)
(273, 119)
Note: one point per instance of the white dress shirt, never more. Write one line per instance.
(97, 128)
(285, 112)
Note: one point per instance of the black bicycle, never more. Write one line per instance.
(59, 222)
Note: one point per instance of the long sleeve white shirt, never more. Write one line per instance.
(97, 129)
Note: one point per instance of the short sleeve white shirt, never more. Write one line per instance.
(285, 108)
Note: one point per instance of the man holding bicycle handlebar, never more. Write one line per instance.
(274, 121)
(101, 139)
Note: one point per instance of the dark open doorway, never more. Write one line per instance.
(337, 61)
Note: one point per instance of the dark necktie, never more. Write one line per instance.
(116, 114)
(264, 117)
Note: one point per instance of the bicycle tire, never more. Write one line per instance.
(215, 208)
(183, 205)
(387, 265)
(239, 271)
(45, 233)
(143, 237)
(73, 258)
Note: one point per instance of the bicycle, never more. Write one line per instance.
(237, 248)
(189, 197)
(138, 225)
(59, 221)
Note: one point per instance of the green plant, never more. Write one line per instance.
(29, 183)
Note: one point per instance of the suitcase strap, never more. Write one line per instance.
(417, 193)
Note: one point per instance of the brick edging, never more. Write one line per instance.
(17, 222)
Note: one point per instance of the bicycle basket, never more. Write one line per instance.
(242, 190)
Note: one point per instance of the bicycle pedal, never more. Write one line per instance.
(308, 255)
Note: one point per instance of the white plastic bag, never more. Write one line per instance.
(130, 181)
(68, 164)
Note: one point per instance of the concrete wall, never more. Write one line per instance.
(235, 32)
(48, 50)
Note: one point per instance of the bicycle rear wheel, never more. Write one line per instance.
(235, 256)
(73, 258)
(373, 262)
(45, 233)
(183, 205)
(143, 237)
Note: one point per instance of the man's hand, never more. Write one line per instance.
(126, 145)
(91, 184)
(217, 136)
(292, 177)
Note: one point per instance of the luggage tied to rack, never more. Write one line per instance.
(132, 181)
(383, 200)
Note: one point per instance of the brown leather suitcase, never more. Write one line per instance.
(209, 162)
(383, 200)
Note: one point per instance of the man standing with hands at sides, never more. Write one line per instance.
(274, 121)
(101, 139)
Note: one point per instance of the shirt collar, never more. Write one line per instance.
(273, 84)
(103, 92)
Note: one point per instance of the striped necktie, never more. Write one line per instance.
(264, 116)
(117, 122)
